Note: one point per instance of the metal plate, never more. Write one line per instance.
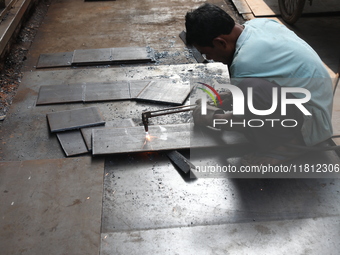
(169, 91)
(117, 123)
(72, 142)
(164, 91)
(165, 137)
(226, 238)
(132, 54)
(61, 59)
(197, 55)
(81, 57)
(51, 206)
(73, 119)
(106, 91)
(180, 161)
(136, 87)
(54, 94)
(135, 186)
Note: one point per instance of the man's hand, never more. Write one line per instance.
(227, 101)
(205, 120)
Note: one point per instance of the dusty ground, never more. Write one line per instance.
(11, 74)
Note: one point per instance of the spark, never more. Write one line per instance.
(147, 137)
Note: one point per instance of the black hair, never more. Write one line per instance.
(206, 23)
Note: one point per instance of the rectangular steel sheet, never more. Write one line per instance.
(74, 119)
(60, 59)
(170, 91)
(91, 56)
(165, 91)
(97, 56)
(165, 137)
(55, 94)
(106, 91)
(137, 86)
(117, 123)
(134, 54)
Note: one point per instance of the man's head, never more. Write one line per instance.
(209, 29)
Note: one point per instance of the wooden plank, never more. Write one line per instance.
(117, 123)
(74, 119)
(165, 137)
(62, 59)
(167, 91)
(55, 94)
(72, 142)
(271, 7)
(264, 7)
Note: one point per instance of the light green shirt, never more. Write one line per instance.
(269, 50)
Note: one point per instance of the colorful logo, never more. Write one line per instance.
(210, 94)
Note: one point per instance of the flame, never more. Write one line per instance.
(148, 138)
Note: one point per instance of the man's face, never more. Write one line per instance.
(221, 52)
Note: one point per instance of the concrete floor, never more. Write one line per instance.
(140, 203)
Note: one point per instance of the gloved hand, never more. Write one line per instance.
(205, 120)
(227, 101)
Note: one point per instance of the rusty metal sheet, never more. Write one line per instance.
(94, 56)
(167, 91)
(117, 123)
(53, 94)
(74, 119)
(106, 91)
(72, 142)
(51, 206)
(162, 137)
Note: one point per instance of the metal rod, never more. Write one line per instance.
(149, 114)
(172, 110)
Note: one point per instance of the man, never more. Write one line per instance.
(263, 48)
